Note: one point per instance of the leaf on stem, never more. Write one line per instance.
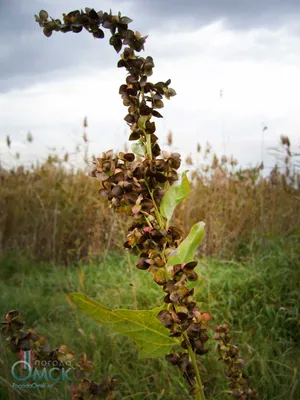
(186, 250)
(174, 196)
(139, 149)
(142, 326)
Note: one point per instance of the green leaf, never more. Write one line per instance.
(174, 196)
(139, 149)
(142, 326)
(186, 250)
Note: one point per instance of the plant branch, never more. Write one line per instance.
(133, 288)
(199, 394)
(148, 144)
(157, 213)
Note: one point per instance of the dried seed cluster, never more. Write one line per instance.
(18, 338)
(181, 360)
(230, 355)
(135, 187)
(142, 98)
(91, 390)
(126, 181)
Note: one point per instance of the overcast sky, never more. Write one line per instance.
(249, 50)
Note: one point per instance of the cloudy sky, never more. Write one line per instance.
(248, 50)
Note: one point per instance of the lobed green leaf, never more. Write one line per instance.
(142, 326)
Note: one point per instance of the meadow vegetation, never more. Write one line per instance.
(258, 298)
(53, 213)
(57, 236)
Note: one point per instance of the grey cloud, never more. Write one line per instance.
(27, 56)
(240, 14)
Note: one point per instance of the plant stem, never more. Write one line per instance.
(135, 307)
(157, 213)
(148, 222)
(148, 136)
(199, 394)
(149, 148)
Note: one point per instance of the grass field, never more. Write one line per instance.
(259, 299)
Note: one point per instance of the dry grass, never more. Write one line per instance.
(55, 214)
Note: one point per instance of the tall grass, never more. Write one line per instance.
(241, 209)
(54, 213)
